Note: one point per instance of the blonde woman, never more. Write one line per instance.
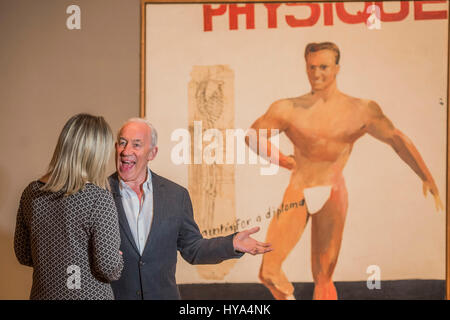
(67, 226)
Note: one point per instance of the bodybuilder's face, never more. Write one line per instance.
(322, 69)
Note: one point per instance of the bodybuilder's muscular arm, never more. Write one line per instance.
(380, 127)
(276, 117)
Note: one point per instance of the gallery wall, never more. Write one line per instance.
(49, 73)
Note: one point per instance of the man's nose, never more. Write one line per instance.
(126, 150)
(316, 73)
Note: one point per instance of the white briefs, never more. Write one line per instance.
(316, 197)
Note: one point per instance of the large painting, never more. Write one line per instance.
(324, 124)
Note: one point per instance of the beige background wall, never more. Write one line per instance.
(47, 74)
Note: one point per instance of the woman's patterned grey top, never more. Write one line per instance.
(72, 242)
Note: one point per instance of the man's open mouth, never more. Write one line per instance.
(126, 165)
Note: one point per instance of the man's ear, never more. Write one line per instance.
(152, 154)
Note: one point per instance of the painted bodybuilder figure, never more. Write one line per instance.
(323, 125)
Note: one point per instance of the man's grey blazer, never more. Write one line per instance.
(152, 275)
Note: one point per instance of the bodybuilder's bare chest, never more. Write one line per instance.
(338, 124)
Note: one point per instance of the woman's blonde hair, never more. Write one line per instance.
(81, 155)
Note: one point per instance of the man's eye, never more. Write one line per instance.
(136, 145)
(323, 67)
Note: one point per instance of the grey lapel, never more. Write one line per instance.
(123, 221)
(158, 209)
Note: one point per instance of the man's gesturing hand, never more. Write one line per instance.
(244, 243)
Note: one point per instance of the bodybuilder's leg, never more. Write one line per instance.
(326, 233)
(284, 232)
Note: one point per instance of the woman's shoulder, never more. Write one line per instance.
(96, 191)
(100, 198)
(31, 192)
(33, 187)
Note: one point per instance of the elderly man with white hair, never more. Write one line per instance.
(156, 220)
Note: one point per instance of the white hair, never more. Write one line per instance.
(153, 133)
